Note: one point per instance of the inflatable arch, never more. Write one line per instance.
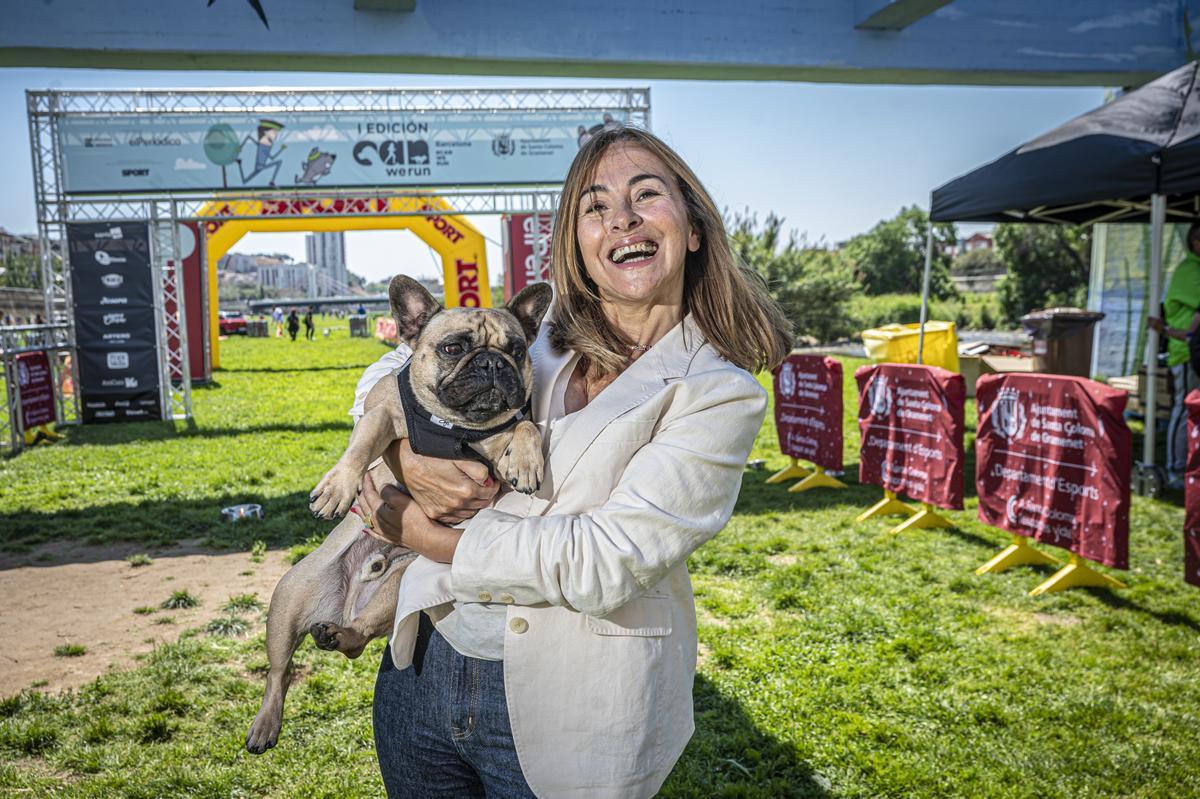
(460, 245)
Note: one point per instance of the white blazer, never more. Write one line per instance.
(600, 641)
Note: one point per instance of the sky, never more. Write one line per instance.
(831, 159)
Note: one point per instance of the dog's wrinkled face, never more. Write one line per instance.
(469, 366)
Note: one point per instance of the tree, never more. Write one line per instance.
(811, 284)
(890, 259)
(20, 271)
(1047, 267)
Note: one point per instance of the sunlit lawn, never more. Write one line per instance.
(836, 659)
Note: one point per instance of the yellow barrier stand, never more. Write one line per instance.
(888, 506)
(790, 473)
(926, 517)
(1076, 574)
(1018, 553)
(818, 479)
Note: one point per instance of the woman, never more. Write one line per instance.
(293, 324)
(565, 641)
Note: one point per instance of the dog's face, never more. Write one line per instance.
(469, 366)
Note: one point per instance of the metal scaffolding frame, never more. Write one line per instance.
(163, 211)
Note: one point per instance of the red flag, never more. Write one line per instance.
(808, 409)
(911, 420)
(1053, 462)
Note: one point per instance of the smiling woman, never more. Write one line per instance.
(555, 657)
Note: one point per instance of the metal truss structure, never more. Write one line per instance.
(163, 211)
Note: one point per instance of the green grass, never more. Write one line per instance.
(70, 650)
(836, 660)
(228, 626)
(180, 600)
(242, 603)
(139, 559)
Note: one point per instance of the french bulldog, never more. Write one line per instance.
(469, 376)
(468, 385)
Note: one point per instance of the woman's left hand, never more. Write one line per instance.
(391, 515)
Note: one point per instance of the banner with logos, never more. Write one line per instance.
(112, 288)
(808, 409)
(911, 420)
(213, 152)
(35, 381)
(526, 250)
(1053, 460)
(1191, 519)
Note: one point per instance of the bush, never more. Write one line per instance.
(968, 312)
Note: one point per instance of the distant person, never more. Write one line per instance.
(1180, 307)
(362, 310)
(293, 324)
(38, 320)
(277, 316)
(310, 329)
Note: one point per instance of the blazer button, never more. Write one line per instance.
(507, 599)
(484, 596)
(518, 625)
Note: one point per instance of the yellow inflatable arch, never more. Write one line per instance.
(451, 236)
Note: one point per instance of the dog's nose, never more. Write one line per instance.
(489, 362)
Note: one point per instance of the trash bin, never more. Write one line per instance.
(257, 328)
(1062, 340)
(899, 344)
(358, 327)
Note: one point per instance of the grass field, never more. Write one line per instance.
(836, 660)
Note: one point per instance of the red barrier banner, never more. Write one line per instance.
(36, 384)
(1191, 519)
(526, 250)
(911, 420)
(1053, 458)
(808, 409)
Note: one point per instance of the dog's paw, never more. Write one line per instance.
(347, 640)
(334, 495)
(522, 471)
(325, 635)
(264, 733)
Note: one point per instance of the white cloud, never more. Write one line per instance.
(188, 165)
(326, 132)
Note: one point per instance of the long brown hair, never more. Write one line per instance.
(729, 303)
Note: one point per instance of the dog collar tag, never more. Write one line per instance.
(440, 422)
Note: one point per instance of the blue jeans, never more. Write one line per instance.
(441, 725)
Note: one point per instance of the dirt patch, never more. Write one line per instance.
(61, 594)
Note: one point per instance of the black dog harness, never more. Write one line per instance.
(433, 436)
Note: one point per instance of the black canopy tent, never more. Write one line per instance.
(1136, 159)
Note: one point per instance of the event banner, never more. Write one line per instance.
(911, 420)
(808, 409)
(1053, 458)
(526, 250)
(211, 152)
(112, 288)
(35, 381)
(1191, 519)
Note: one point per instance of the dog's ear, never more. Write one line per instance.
(530, 306)
(412, 306)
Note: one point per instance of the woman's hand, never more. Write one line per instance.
(393, 516)
(447, 491)
(1155, 324)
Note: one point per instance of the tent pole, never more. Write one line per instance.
(1157, 215)
(925, 294)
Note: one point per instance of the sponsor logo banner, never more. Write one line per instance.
(808, 409)
(36, 384)
(527, 251)
(306, 149)
(1053, 458)
(911, 421)
(113, 294)
(1191, 520)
